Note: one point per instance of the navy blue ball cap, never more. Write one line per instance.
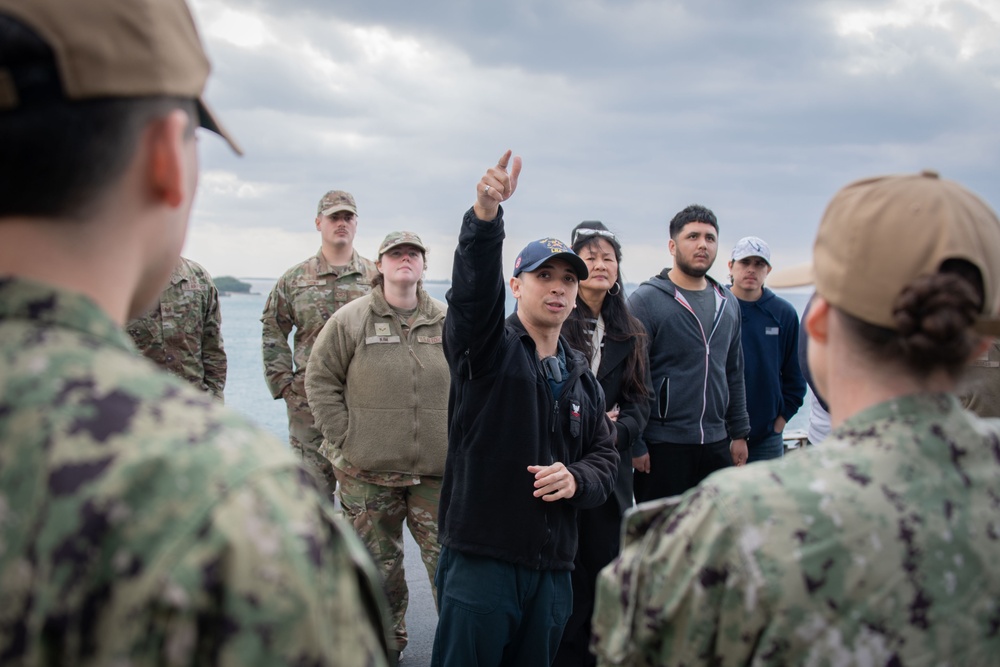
(538, 252)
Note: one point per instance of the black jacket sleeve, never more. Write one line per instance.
(632, 418)
(597, 470)
(473, 330)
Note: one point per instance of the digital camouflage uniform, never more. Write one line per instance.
(303, 299)
(878, 548)
(183, 332)
(142, 523)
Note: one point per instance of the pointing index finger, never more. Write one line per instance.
(504, 160)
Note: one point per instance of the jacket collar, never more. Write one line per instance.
(325, 268)
(575, 360)
(614, 352)
(426, 311)
(662, 282)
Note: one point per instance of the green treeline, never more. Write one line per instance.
(231, 285)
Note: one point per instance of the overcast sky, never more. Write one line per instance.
(623, 111)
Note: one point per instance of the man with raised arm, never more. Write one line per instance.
(528, 443)
(141, 522)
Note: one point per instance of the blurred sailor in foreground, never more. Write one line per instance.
(880, 546)
(141, 522)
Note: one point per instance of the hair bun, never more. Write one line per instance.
(934, 317)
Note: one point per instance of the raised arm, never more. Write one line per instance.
(474, 326)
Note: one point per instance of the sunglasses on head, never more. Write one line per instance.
(584, 232)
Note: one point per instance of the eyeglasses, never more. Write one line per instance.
(584, 232)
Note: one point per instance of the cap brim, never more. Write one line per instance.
(792, 276)
(736, 259)
(582, 272)
(382, 251)
(208, 120)
(338, 209)
(579, 266)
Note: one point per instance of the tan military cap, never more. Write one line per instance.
(879, 234)
(118, 48)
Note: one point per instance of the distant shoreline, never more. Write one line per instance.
(629, 287)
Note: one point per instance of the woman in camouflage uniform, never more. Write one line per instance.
(377, 382)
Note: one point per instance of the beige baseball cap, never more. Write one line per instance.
(118, 48)
(879, 234)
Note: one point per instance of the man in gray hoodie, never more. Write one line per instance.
(698, 419)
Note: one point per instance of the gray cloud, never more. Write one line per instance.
(624, 111)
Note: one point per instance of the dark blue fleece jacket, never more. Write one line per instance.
(774, 382)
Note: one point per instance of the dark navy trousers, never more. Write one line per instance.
(771, 446)
(494, 613)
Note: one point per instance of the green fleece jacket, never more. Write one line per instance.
(380, 398)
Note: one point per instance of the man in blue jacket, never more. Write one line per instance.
(698, 418)
(775, 385)
(528, 443)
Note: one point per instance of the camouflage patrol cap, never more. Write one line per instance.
(879, 234)
(112, 48)
(394, 239)
(335, 201)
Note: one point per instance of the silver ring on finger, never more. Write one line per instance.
(486, 190)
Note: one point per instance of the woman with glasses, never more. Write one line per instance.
(615, 343)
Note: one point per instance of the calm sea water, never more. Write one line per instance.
(245, 388)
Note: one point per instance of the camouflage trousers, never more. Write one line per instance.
(377, 513)
(305, 441)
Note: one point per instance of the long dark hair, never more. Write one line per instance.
(619, 323)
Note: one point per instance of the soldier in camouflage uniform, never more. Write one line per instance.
(182, 333)
(880, 547)
(303, 299)
(141, 523)
(378, 385)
